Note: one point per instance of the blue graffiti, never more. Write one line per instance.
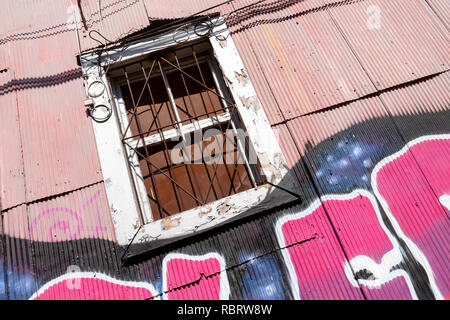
(16, 285)
(346, 165)
(262, 279)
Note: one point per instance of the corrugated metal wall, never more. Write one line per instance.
(345, 90)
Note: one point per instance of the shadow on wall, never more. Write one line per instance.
(378, 231)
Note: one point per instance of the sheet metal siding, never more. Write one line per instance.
(295, 162)
(12, 184)
(45, 240)
(55, 131)
(344, 162)
(254, 257)
(74, 231)
(253, 261)
(334, 170)
(20, 279)
(317, 50)
(302, 52)
(394, 52)
(82, 214)
(68, 223)
(115, 20)
(180, 8)
(3, 295)
(58, 145)
(442, 9)
(430, 99)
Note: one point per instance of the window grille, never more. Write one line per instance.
(184, 130)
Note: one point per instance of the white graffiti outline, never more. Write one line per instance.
(390, 259)
(360, 261)
(224, 293)
(293, 280)
(381, 271)
(418, 254)
(94, 275)
(445, 201)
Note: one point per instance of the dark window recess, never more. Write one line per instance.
(181, 94)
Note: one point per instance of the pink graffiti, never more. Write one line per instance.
(70, 229)
(205, 274)
(412, 186)
(184, 278)
(65, 224)
(368, 245)
(93, 286)
(315, 266)
(320, 271)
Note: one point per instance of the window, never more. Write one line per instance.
(177, 95)
(188, 145)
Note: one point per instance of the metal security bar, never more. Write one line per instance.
(177, 104)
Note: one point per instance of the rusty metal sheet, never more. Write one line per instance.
(44, 240)
(180, 9)
(115, 19)
(384, 36)
(12, 182)
(430, 99)
(302, 53)
(441, 8)
(58, 145)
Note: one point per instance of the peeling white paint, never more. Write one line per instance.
(129, 200)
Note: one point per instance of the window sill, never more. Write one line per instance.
(130, 208)
(199, 221)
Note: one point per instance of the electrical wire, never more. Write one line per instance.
(202, 29)
(188, 20)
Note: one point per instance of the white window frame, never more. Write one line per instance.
(128, 202)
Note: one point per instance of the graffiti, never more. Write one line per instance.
(20, 284)
(373, 257)
(348, 164)
(213, 287)
(203, 278)
(445, 201)
(351, 243)
(414, 207)
(88, 288)
(65, 224)
(262, 279)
